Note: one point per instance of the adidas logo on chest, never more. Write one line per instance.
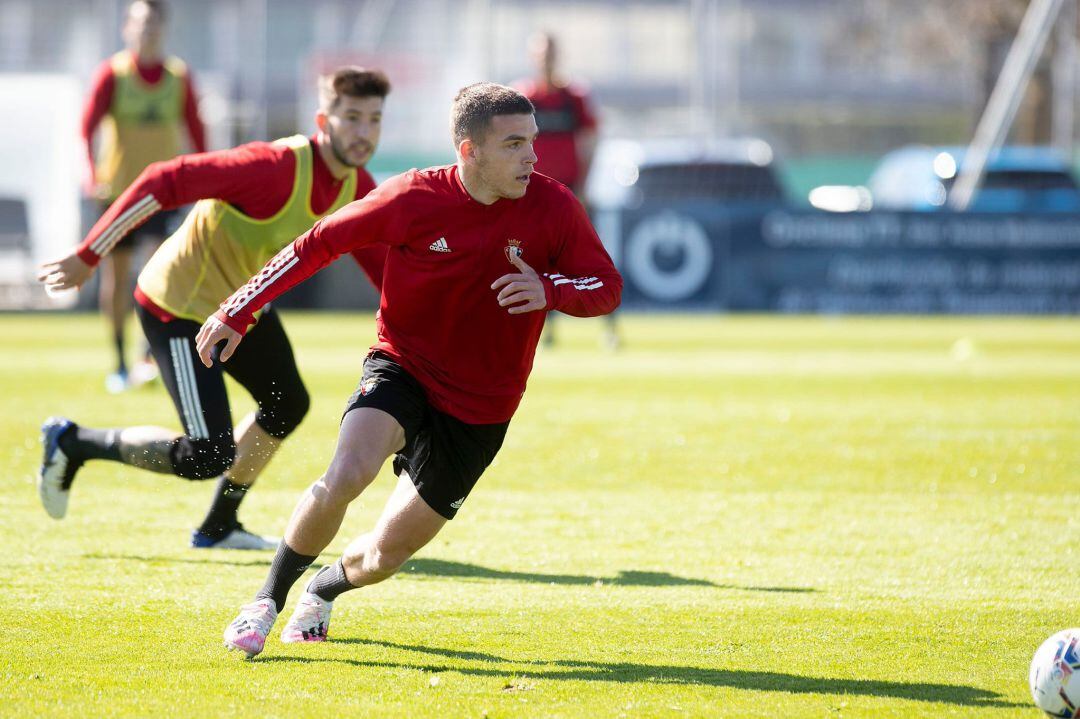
(439, 245)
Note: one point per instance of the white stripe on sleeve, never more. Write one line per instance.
(125, 223)
(580, 283)
(259, 287)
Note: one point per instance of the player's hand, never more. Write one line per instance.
(66, 273)
(212, 332)
(525, 286)
(96, 191)
(91, 188)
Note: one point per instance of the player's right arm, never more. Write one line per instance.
(96, 107)
(245, 176)
(380, 217)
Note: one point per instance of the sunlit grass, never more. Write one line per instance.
(730, 516)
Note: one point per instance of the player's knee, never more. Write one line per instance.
(285, 414)
(203, 458)
(345, 480)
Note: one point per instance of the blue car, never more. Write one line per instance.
(1018, 179)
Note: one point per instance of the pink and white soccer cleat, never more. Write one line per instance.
(309, 621)
(249, 630)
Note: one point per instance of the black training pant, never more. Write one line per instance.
(263, 364)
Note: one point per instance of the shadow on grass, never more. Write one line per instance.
(632, 578)
(626, 672)
(445, 568)
(180, 560)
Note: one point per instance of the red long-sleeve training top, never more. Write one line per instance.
(439, 317)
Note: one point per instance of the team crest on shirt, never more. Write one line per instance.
(368, 386)
(512, 249)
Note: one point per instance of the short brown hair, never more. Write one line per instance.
(351, 81)
(476, 104)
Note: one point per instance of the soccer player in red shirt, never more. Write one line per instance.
(140, 99)
(475, 263)
(564, 114)
(568, 129)
(252, 201)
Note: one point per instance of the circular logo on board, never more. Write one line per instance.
(669, 256)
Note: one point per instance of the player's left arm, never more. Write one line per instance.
(585, 139)
(195, 127)
(587, 285)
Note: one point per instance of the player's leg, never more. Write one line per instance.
(439, 467)
(547, 337)
(366, 438)
(611, 332)
(255, 447)
(406, 525)
(205, 450)
(115, 302)
(221, 527)
(147, 238)
(265, 366)
(381, 417)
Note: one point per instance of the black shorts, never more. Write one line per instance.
(443, 456)
(156, 229)
(263, 364)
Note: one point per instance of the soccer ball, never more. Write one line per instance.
(1055, 675)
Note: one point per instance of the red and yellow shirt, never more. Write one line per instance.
(252, 201)
(140, 109)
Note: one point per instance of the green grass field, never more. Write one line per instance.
(797, 517)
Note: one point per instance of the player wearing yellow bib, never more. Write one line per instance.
(251, 202)
(139, 102)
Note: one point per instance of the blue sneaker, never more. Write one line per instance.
(57, 469)
(238, 538)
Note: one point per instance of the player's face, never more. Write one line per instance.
(505, 158)
(354, 126)
(143, 28)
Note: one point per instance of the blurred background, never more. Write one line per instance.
(777, 155)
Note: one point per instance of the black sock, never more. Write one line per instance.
(118, 340)
(82, 443)
(221, 519)
(287, 567)
(330, 582)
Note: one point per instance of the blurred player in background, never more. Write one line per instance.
(568, 131)
(252, 201)
(141, 100)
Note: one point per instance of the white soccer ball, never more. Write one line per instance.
(1055, 675)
